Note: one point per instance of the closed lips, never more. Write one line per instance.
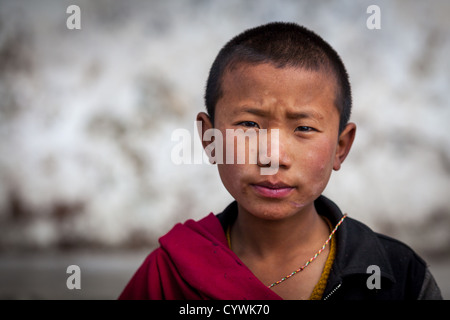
(273, 190)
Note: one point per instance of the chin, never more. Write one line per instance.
(273, 210)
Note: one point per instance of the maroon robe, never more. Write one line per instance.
(194, 262)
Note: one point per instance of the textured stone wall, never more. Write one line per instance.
(86, 116)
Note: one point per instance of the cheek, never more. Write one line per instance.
(320, 161)
(231, 176)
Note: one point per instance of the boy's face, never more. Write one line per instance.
(300, 104)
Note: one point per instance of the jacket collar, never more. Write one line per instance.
(357, 246)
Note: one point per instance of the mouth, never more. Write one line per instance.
(269, 189)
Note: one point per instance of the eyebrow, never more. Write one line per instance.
(290, 115)
(255, 111)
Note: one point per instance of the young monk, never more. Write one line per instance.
(280, 239)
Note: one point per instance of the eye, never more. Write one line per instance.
(249, 124)
(304, 129)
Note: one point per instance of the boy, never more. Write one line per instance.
(280, 239)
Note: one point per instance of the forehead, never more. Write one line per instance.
(287, 89)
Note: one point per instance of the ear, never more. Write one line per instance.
(205, 124)
(344, 145)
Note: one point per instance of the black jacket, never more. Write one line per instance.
(404, 275)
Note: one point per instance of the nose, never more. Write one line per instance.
(274, 150)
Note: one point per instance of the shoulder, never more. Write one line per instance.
(401, 267)
(397, 251)
(399, 255)
(411, 268)
(394, 248)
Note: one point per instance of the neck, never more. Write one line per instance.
(265, 239)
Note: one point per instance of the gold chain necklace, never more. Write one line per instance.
(307, 263)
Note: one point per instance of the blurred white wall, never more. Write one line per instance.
(86, 116)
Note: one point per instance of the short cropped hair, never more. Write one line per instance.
(283, 45)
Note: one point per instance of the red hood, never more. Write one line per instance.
(194, 262)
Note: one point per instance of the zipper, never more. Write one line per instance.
(333, 291)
